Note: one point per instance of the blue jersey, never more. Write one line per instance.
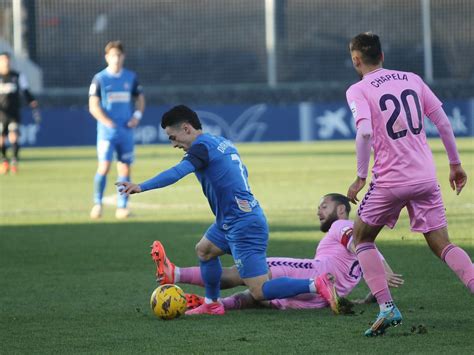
(223, 177)
(117, 93)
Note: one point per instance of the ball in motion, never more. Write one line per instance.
(168, 301)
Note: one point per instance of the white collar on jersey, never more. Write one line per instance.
(116, 75)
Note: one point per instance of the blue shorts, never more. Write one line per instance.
(247, 242)
(122, 145)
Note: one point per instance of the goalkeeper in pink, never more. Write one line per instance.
(335, 255)
(388, 107)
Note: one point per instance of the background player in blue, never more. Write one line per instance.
(240, 228)
(117, 102)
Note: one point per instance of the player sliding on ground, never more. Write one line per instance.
(335, 254)
(388, 108)
(240, 228)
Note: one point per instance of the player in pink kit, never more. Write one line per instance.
(388, 107)
(335, 254)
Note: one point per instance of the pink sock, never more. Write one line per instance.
(190, 275)
(458, 260)
(374, 272)
(231, 302)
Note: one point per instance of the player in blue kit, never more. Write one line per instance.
(240, 228)
(117, 102)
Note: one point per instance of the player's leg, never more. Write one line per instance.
(248, 243)
(13, 133)
(427, 215)
(104, 155)
(123, 171)
(455, 257)
(210, 247)
(169, 273)
(378, 208)
(3, 148)
(242, 300)
(125, 157)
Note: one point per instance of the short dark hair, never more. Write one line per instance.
(180, 114)
(340, 200)
(114, 44)
(368, 44)
(5, 54)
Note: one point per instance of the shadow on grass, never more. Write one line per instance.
(89, 284)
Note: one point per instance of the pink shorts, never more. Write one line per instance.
(382, 206)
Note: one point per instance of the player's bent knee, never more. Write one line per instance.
(203, 253)
(257, 293)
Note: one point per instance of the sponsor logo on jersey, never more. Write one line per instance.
(353, 109)
(119, 96)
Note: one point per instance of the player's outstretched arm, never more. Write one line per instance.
(457, 175)
(363, 146)
(167, 177)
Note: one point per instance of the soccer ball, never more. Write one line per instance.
(168, 302)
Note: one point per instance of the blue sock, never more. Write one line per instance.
(211, 272)
(285, 287)
(99, 187)
(122, 199)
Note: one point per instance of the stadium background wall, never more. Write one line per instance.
(212, 55)
(241, 123)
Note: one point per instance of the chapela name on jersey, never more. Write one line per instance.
(119, 96)
(389, 77)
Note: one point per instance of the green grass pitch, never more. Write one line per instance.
(72, 285)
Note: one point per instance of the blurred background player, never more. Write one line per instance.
(12, 86)
(240, 228)
(117, 102)
(388, 107)
(335, 254)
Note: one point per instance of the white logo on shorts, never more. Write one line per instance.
(238, 264)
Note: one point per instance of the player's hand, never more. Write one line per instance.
(457, 177)
(133, 122)
(35, 112)
(128, 188)
(109, 123)
(394, 280)
(354, 189)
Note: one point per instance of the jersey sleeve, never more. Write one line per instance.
(94, 89)
(429, 100)
(25, 88)
(358, 104)
(343, 234)
(137, 88)
(198, 155)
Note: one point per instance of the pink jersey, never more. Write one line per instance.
(396, 102)
(332, 255)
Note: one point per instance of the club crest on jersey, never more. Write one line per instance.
(243, 205)
(126, 86)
